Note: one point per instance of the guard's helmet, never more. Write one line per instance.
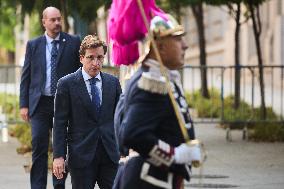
(161, 27)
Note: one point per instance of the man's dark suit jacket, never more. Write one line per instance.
(34, 70)
(76, 123)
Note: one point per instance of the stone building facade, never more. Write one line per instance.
(220, 30)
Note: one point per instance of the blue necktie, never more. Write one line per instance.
(95, 94)
(53, 80)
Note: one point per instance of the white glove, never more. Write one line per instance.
(185, 154)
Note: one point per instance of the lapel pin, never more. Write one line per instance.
(63, 40)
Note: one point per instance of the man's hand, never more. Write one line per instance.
(58, 167)
(24, 112)
(185, 154)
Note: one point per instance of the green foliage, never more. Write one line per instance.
(254, 2)
(268, 132)
(190, 2)
(35, 25)
(10, 106)
(22, 132)
(262, 130)
(175, 6)
(87, 9)
(7, 25)
(221, 2)
(211, 108)
(205, 107)
(32, 6)
(270, 114)
(243, 113)
(27, 5)
(164, 4)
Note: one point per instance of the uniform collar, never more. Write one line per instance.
(154, 68)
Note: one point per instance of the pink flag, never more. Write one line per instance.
(125, 27)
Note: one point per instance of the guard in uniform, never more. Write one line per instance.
(149, 125)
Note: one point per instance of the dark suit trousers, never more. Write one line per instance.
(41, 124)
(101, 170)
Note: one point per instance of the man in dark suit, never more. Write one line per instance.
(48, 58)
(84, 109)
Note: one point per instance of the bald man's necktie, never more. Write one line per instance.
(54, 54)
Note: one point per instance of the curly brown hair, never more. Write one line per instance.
(91, 41)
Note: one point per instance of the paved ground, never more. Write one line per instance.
(248, 165)
(245, 165)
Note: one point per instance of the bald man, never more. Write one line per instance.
(48, 58)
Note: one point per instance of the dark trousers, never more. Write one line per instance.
(41, 125)
(101, 170)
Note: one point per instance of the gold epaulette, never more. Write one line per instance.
(153, 83)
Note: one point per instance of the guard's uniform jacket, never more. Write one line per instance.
(150, 128)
